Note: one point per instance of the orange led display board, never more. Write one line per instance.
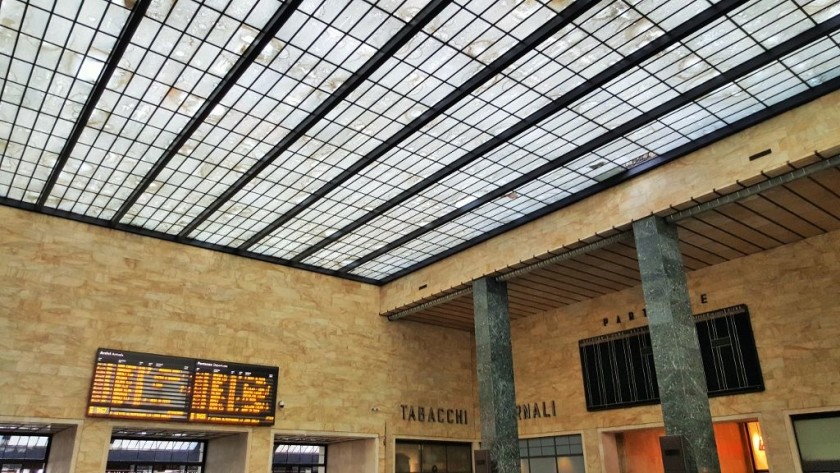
(132, 385)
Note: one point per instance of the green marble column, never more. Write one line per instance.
(494, 362)
(676, 351)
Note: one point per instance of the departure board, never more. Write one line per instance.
(131, 385)
(232, 393)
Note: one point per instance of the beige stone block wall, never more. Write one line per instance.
(794, 303)
(67, 288)
(351, 456)
(791, 136)
(227, 454)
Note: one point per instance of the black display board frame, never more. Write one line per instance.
(170, 396)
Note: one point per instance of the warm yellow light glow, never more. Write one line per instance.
(565, 465)
(757, 446)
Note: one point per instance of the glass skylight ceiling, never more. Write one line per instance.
(416, 157)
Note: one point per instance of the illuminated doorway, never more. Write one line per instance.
(740, 446)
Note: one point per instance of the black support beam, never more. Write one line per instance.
(563, 19)
(746, 68)
(123, 41)
(631, 61)
(283, 13)
(431, 10)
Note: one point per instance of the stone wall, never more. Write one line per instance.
(68, 288)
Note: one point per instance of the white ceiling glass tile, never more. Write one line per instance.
(496, 106)
(816, 63)
(568, 180)
(543, 192)
(441, 239)
(822, 10)
(670, 15)
(50, 57)
(291, 78)
(771, 22)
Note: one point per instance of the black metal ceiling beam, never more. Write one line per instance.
(403, 36)
(629, 62)
(644, 119)
(123, 40)
(563, 19)
(775, 110)
(22, 205)
(263, 38)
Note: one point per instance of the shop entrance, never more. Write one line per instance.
(740, 449)
(418, 456)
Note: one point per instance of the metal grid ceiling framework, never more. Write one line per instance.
(367, 139)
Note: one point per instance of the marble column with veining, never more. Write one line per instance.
(676, 351)
(494, 361)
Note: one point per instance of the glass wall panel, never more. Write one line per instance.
(155, 456)
(458, 458)
(543, 465)
(432, 457)
(561, 454)
(298, 458)
(817, 438)
(572, 464)
(407, 458)
(23, 453)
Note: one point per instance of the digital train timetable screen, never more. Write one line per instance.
(131, 385)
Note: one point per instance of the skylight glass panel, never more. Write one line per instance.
(822, 10)
(294, 236)
(452, 48)
(436, 241)
(176, 58)
(504, 100)
(543, 191)
(50, 58)
(603, 107)
(725, 105)
(323, 48)
(816, 63)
